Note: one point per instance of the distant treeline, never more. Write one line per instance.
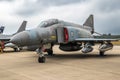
(108, 36)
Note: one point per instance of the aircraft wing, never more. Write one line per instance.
(5, 37)
(95, 39)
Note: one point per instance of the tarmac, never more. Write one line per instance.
(62, 66)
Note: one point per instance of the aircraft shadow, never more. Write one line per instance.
(83, 56)
(12, 51)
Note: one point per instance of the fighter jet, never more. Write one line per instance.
(5, 38)
(69, 36)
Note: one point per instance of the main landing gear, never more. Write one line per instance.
(50, 52)
(101, 53)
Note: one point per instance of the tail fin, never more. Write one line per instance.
(22, 27)
(89, 23)
(2, 29)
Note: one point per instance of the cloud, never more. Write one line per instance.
(58, 2)
(106, 16)
(7, 0)
(107, 5)
(106, 13)
(108, 23)
(33, 7)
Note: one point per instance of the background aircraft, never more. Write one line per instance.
(70, 37)
(5, 38)
(2, 29)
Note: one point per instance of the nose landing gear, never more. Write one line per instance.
(41, 57)
(44, 48)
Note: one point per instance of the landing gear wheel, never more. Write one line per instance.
(50, 52)
(41, 59)
(102, 53)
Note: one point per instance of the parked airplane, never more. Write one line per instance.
(70, 37)
(5, 38)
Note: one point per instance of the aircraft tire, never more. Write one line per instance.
(41, 59)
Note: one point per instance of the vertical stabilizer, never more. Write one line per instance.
(2, 29)
(22, 27)
(89, 23)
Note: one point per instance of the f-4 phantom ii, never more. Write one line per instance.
(69, 37)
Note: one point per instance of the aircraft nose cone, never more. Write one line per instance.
(20, 39)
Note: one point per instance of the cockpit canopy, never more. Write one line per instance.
(48, 23)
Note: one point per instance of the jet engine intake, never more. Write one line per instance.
(105, 47)
(70, 47)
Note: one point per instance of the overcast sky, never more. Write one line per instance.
(106, 13)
